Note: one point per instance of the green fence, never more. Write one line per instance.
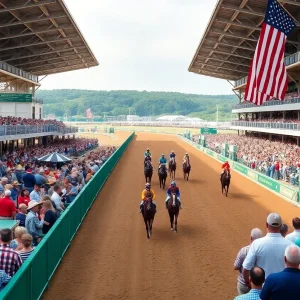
(278, 187)
(32, 279)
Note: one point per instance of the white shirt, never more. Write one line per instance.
(267, 253)
(293, 236)
(56, 199)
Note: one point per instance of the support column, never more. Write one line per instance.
(270, 137)
(297, 140)
(282, 139)
(1, 145)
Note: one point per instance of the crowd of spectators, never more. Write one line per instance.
(36, 194)
(269, 267)
(275, 159)
(24, 121)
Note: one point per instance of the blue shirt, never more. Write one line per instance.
(172, 155)
(252, 295)
(41, 180)
(4, 279)
(176, 190)
(21, 218)
(35, 196)
(162, 160)
(34, 225)
(29, 180)
(283, 285)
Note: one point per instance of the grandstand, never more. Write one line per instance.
(226, 50)
(37, 38)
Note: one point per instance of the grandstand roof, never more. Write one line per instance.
(228, 44)
(41, 37)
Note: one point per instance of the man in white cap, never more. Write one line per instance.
(267, 252)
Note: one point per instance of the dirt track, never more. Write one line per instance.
(111, 258)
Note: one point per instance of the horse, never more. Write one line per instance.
(162, 175)
(148, 215)
(186, 170)
(172, 168)
(148, 171)
(173, 209)
(225, 182)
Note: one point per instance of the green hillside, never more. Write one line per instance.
(113, 103)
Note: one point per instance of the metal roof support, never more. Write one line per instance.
(60, 69)
(40, 43)
(22, 34)
(231, 45)
(39, 53)
(237, 24)
(222, 60)
(290, 2)
(223, 67)
(228, 53)
(242, 10)
(35, 19)
(234, 35)
(27, 5)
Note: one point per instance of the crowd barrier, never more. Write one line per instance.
(33, 277)
(278, 187)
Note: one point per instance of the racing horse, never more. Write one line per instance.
(148, 215)
(148, 171)
(186, 170)
(173, 209)
(225, 182)
(162, 175)
(172, 168)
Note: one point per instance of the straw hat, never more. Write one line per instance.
(19, 168)
(32, 204)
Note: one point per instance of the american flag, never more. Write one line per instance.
(89, 114)
(267, 77)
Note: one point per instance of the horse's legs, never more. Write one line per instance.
(171, 220)
(176, 217)
(147, 229)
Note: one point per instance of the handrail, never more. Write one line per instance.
(270, 125)
(267, 103)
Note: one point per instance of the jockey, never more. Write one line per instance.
(173, 189)
(185, 159)
(145, 193)
(162, 161)
(172, 155)
(225, 166)
(148, 153)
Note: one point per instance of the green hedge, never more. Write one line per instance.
(33, 277)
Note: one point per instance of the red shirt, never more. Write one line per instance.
(7, 207)
(24, 200)
(226, 165)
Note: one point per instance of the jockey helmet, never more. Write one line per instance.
(147, 185)
(148, 149)
(172, 151)
(187, 154)
(162, 155)
(173, 183)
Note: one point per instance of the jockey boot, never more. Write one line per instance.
(141, 208)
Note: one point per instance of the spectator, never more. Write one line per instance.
(21, 215)
(296, 233)
(286, 284)
(24, 197)
(29, 180)
(242, 287)
(72, 192)
(256, 279)
(32, 223)
(3, 183)
(16, 244)
(36, 195)
(7, 207)
(297, 242)
(10, 260)
(15, 192)
(50, 216)
(57, 200)
(40, 178)
(284, 230)
(267, 252)
(27, 247)
(4, 279)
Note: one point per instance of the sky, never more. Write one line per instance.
(141, 45)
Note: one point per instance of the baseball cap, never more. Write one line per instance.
(274, 220)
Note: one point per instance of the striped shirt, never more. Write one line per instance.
(10, 260)
(238, 264)
(25, 255)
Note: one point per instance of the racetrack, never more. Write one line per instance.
(111, 258)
